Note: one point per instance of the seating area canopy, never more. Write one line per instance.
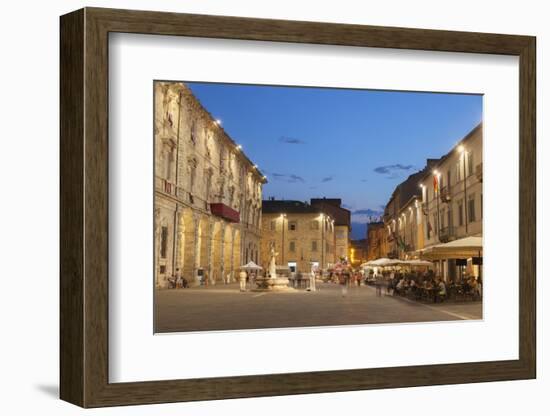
(462, 248)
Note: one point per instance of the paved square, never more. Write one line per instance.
(223, 307)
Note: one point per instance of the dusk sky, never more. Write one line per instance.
(356, 145)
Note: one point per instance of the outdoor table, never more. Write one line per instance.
(428, 293)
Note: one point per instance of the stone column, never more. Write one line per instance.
(222, 251)
(180, 241)
(241, 248)
(232, 261)
(210, 248)
(196, 246)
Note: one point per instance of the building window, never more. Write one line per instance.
(163, 241)
(470, 163)
(314, 245)
(471, 208)
(208, 183)
(272, 225)
(167, 158)
(192, 170)
(450, 217)
(193, 136)
(292, 246)
(460, 206)
(449, 180)
(292, 226)
(315, 225)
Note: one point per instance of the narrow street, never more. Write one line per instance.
(223, 307)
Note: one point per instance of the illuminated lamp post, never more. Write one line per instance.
(283, 216)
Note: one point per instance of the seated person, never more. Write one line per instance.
(441, 290)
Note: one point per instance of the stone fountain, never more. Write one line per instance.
(275, 279)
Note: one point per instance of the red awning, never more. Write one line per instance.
(228, 213)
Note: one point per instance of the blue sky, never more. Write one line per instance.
(339, 143)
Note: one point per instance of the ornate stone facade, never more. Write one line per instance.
(208, 194)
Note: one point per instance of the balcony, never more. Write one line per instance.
(165, 186)
(225, 212)
(447, 234)
(445, 194)
(479, 172)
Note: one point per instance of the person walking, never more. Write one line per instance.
(242, 281)
(344, 281)
(378, 282)
(312, 281)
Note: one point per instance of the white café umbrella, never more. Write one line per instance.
(424, 263)
(383, 262)
(251, 266)
(462, 248)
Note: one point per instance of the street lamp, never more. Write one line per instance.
(322, 240)
(283, 216)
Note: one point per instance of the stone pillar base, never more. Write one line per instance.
(269, 284)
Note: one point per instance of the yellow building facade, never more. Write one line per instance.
(302, 235)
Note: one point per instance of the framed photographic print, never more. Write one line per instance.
(255, 207)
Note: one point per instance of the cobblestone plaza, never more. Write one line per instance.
(223, 307)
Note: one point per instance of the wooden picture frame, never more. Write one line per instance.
(84, 207)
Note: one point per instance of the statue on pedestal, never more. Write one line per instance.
(272, 267)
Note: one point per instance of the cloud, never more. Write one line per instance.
(368, 212)
(346, 206)
(392, 169)
(292, 178)
(296, 178)
(327, 179)
(364, 180)
(291, 140)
